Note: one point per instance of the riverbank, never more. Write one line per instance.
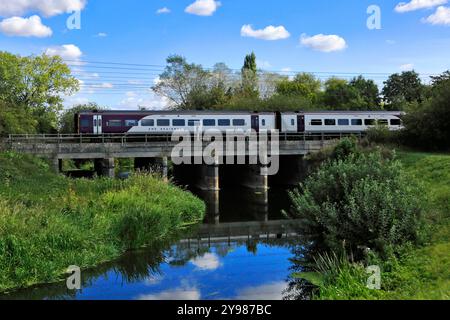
(421, 272)
(49, 222)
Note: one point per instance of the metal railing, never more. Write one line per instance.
(158, 138)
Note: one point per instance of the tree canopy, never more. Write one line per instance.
(32, 90)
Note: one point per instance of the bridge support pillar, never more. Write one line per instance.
(254, 177)
(105, 167)
(208, 178)
(57, 165)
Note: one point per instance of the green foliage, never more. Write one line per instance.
(381, 134)
(407, 272)
(48, 222)
(31, 90)
(362, 200)
(249, 77)
(358, 94)
(403, 88)
(428, 125)
(368, 91)
(304, 85)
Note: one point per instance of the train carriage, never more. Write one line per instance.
(167, 122)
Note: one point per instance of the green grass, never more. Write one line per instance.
(413, 272)
(49, 222)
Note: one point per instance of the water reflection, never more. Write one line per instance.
(243, 251)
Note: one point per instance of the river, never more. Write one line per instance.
(244, 250)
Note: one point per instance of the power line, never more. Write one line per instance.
(103, 65)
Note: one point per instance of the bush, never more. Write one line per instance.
(360, 201)
(48, 222)
(380, 134)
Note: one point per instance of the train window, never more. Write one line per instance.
(330, 122)
(84, 123)
(239, 122)
(343, 122)
(316, 122)
(114, 123)
(224, 122)
(178, 122)
(369, 122)
(357, 122)
(209, 122)
(147, 123)
(193, 123)
(382, 122)
(131, 123)
(163, 122)
(396, 122)
(292, 122)
(263, 122)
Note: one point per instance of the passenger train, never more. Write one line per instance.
(166, 122)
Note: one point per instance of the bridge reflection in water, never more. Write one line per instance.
(236, 214)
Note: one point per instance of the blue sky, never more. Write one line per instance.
(321, 36)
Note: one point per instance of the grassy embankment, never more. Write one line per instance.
(49, 222)
(415, 272)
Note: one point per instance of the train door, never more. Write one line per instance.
(97, 124)
(301, 123)
(255, 123)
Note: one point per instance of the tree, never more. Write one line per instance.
(339, 95)
(428, 125)
(303, 85)
(403, 88)
(16, 120)
(183, 84)
(368, 91)
(34, 86)
(66, 120)
(250, 76)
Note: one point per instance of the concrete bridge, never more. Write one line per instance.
(156, 150)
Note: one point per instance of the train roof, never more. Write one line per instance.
(168, 112)
(218, 112)
(344, 112)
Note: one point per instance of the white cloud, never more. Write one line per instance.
(269, 291)
(391, 42)
(176, 294)
(203, 7)
(150, 101)
(25, 27)
(101, 34)
(209, 261)
(324, 43)
(47, 8)
(407, 67)
(440, 17)
(268, 33)
(66, 51)
(418, 4)
(163, 10)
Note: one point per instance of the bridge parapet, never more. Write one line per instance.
(135, 146)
